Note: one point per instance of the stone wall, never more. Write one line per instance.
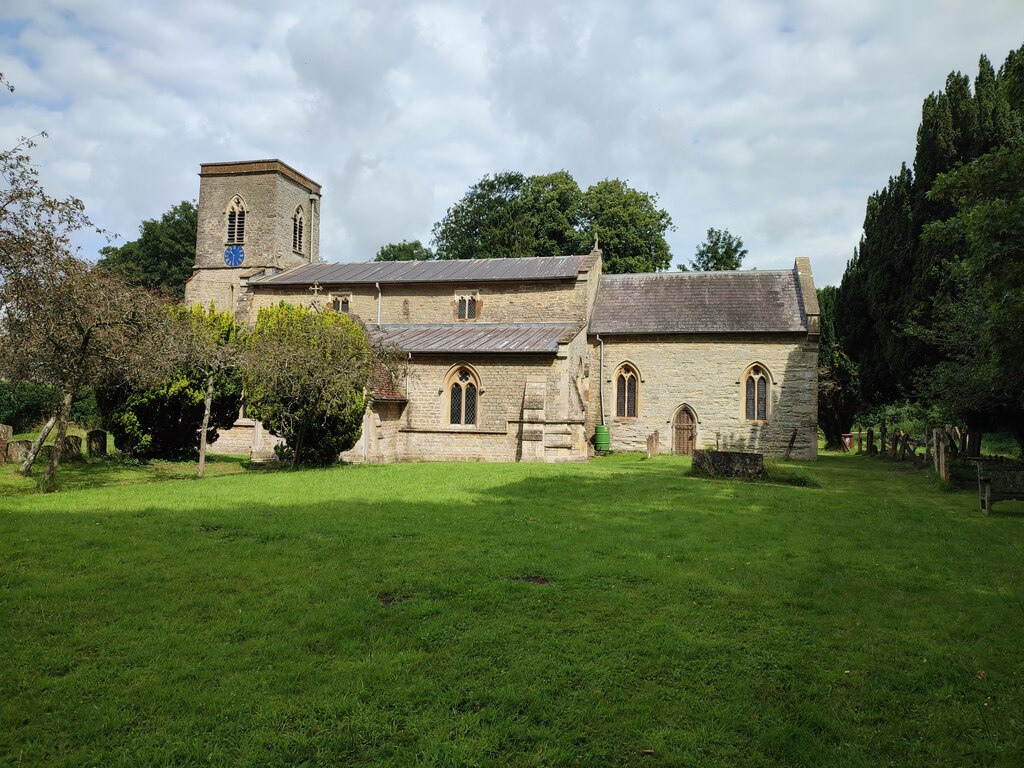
(550, 427)
(554, 301)
(704, 373)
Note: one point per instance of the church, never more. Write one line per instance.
(522, 359)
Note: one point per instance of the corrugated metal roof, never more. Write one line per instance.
(462, 271)
(505, 338)
(699, 302)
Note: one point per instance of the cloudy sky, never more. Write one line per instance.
(775, 120)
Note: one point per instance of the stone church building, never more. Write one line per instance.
(520, 359)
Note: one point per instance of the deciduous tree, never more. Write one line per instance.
(404, 251)
(720, 251)
(163, 256)
(629, 225)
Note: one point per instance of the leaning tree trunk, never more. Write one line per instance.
(26, 465)
(207, 403)
(58, 443)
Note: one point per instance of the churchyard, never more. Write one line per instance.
(619, 612)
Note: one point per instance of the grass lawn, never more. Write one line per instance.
(614, 613)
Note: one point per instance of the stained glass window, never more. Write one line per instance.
(755, 390)
(463, 396)
(456, 404)
(626, 392)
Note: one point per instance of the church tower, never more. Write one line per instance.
(255, 217)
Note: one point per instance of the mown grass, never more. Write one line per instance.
(614, 613)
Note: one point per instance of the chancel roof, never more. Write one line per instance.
(434, 271)
(702, 302)
(499, 338)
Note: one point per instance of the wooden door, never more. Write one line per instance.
(684, 430)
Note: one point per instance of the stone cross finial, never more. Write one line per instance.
(595, 241)
(315, 288)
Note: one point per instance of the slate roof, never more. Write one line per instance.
(510, 338)
(440, 271)
(700, 302)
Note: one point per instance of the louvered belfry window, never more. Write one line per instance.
(626, 392)
(755, 400)
(236, 222)
(297, 229)
(462, 398)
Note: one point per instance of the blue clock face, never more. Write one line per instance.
(233, 255)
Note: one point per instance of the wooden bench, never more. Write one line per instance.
(999, 480)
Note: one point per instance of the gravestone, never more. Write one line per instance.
(17, 450)
(96, 443)
(728, 463)
(653, 444)
(872, 450)
(6, 432)
(72, 450)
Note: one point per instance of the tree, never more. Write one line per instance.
(838, 385)
(512, 216)
(980, 330)
(488, 222)
(404, 251)
(62, 323)
(720, 251)
(163, 256)
(306, 374)
(179, 416)
(629, 227)
(70, 325)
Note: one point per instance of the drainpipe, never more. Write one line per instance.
(378, 302)
(408, 362)
(601, 380)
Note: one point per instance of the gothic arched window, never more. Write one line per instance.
(297, 227)
(756, 393)
(463, 396)
(627, 384)
(236, 222)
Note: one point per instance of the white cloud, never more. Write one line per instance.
(775, 120)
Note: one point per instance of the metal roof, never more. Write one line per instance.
(700, 302)
(458, 338)
(434, 271)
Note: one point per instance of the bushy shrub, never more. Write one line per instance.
(163, 422)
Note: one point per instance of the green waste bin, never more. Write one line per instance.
(602, 440)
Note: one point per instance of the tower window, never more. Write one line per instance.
(236, 222)
(297, 229)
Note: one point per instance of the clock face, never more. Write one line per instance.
(233, 255)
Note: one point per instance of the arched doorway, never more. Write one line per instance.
(684, 431)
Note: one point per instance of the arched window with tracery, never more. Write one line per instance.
(463, 397)
(756, 393)
(236, 222)
(627, 386)
(297, 229)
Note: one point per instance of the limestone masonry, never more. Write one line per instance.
(521, 359)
